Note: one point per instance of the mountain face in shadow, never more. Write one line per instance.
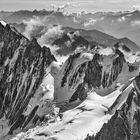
(23, 64)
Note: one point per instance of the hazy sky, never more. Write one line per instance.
(75, 5)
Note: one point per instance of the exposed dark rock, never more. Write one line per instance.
(124, 47)
(69, 67)
(67, 45)
(22, 68)
(99, 72)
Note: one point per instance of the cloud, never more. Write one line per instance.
(121, 19)
(105, 51)
(47, 38)
(31, 25)
(52, 33)
(135, 23)
(41, 26)
(63, 7)
(90, 22)
(47, 34)
(60, 8)
(136, 7)
(75, 20)
(117, 1)
(60, 58)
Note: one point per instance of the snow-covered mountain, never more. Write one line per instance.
(97, 91)
(93, 95)
(99, 69)
(115, 116)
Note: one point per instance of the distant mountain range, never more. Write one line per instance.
(19, 16)
(118, 24)
(74, 38)
(86, 37)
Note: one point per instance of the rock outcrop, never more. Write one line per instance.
(23, 65)
(99, 69)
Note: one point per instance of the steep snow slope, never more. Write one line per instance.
(124, 125)
(96, 118)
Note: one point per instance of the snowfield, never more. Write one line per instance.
(3, 23)
(85, 119)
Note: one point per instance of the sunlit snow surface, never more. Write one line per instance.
(86, 119)
(3, 23)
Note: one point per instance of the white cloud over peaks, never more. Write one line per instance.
(48, 35)
(60, 8)
(136, 7)
(31, 25)
(46, 39)
(135, 23)
(52, 33)
(75, 20)
(105, 51)
(63, 7)
(121, 19)
(90, 22)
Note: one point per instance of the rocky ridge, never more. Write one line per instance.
(23, 65)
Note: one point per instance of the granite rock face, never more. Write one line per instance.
(23, 64)
(99, 69)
